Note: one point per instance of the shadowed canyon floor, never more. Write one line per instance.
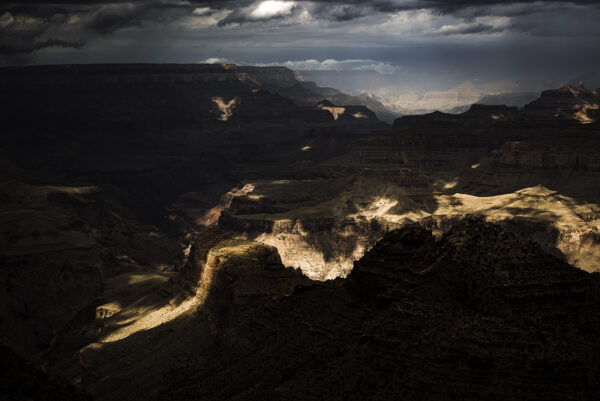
(221, 232)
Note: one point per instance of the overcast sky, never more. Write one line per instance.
(461, 38)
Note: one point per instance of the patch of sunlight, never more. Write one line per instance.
(306, 148)
(150, 310)
(359, 115)
(226, 109)
(582, 114)
(450, 185)
(573, 220)
(497, 116)
(334, 110)
(380, 207)
(476, 165)
(358, 252)
(143, 319)
(247, 188)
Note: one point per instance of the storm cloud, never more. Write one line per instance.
(387, 35)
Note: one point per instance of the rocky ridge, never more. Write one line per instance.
(569, 102)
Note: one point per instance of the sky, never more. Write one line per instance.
(431, 39)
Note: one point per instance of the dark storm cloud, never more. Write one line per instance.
(347, 10)
(445, 6)
(341, 12)
(24, 34)
(108, 19)
(29, 26)
(20, 45)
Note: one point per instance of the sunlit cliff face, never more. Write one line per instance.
(225, 109)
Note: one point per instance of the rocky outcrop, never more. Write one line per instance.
(569, 102)
(482, 265)
(220, 269)
(352, 117)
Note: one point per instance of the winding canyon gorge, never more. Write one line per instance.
(223, 232)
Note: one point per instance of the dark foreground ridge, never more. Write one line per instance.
(478, 314)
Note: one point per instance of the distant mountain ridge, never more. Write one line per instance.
(518, 99)
(566, 103)
(406, 96)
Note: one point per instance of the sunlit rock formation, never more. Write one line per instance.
(335, 111)
(226, 109)
(569, 102)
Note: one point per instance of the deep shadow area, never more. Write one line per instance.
(476, 314)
